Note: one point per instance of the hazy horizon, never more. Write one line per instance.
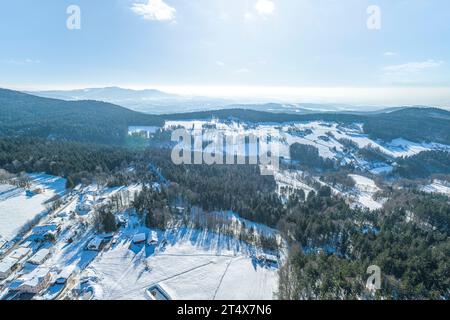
(356, 52)
(357, 97)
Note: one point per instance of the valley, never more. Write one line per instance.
(118, 219)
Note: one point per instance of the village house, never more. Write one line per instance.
(20, 253)
(33, 282)
(39, 257)
(7, 266)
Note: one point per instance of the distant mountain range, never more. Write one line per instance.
(158, 102)
(148, 101)
(106, 94)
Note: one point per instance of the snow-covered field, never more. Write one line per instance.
(193, 265)
(186, 263)
(366, 189)
(438, 187)
(17, 208)
(324, 136)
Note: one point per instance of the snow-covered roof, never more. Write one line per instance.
(40, 256)
(6, 264)
(20, 253)
(95, 243)
(36, 277)
(45, 228)
(65, 273)
(140, 237)
(152, 237)
(267, 256)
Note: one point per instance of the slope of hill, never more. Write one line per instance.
(86, 121)
(415, 124)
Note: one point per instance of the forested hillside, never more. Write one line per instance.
(24, 115)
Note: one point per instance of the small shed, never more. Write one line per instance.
(152, 238)
(268, 258)
(95, 244)
(139, 238)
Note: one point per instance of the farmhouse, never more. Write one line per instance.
(34, 282)
(39, 257)
(7, 266)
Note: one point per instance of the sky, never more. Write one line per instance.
(354, 51)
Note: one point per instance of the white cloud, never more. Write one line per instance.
(220, 64)
(389, 54)
(411, 72)
(411, 67)
(265, 7)
(21, 62)
(156, 10)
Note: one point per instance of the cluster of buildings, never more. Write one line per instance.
(26, 261)
(13, 261)
(151, 238)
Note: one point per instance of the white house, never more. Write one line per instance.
(7, 266)
(20, 253)
(35, 281)
(39, 257)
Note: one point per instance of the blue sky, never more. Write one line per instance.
(218, 46)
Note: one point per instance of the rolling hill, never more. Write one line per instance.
(26, 115)
(416, 124)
